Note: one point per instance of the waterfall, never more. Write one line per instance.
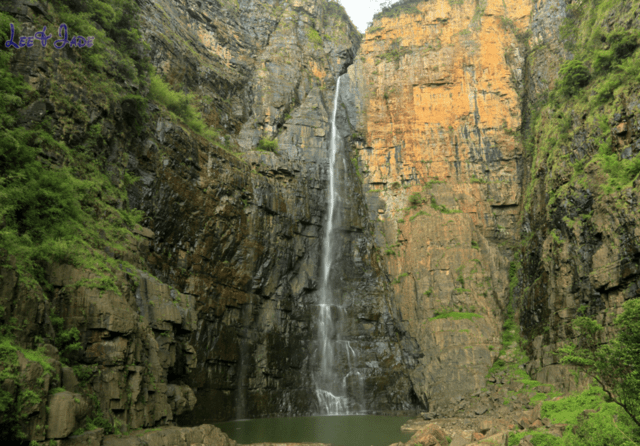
(331, 389)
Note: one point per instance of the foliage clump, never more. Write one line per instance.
(442, 208)
(574, 76)
(454, 315)
(591, 421)
(390, 10)
(179, 103)
(268, 145)
(614, 366)
(314, 37)
(415, 199)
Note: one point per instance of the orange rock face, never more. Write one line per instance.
(440, 87)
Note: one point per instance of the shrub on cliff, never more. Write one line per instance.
(415, 199)
(590, 420)
(615, 366)
(180, 104)
(268, 145)
(388, 9)
(621, 45)
(574, 75)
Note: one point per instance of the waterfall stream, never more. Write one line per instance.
(331, 388)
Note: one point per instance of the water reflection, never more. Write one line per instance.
(355, 430)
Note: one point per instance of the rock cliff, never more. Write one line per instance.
(164, 193)
(580, 231)
(211, 297)
(439, 86)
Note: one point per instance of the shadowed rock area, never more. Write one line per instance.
(182, 167)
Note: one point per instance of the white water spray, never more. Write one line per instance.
(331, 389)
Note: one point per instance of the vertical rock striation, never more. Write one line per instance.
(221, 305)
(438, 83)
(580, 223)
(248, 235)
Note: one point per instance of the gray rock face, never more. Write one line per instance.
(204, 435)
(66, 410)
(247, 236)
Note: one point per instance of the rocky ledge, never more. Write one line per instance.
(484, 430)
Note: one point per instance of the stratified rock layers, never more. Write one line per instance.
(439, 105)
(246, 234)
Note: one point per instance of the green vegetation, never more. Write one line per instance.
(474, 179)
(396, 9)
(10, 407)
(604, 70)
(394, 54)
(66, 340)
(454, 315)
(574, 76)
(442, 208)
(591, 420)
(179, 104)
(268, 145)
(614, 366)
(413, 217)
(400, 277)
(415, 199)
(356, 166)
(67, 212)
(429, 184)
(314, 37)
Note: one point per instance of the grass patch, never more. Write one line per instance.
(604, 424)
(397, 8)
(417, 215)
(455, 315)
(314, 37)
(268, 145)
(442, 208)
(179, 103)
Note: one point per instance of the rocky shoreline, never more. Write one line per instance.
(456, 431)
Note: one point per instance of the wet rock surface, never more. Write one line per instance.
(220, 312)
(250, 234)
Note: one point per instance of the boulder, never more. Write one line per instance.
(69, 380)
(431, 435)
(180, 398)
(66, 409)
(203, 435)
(459, 440)
(526, 441)
(91, 438)
(485, 425)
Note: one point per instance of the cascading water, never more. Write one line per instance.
(331, 389)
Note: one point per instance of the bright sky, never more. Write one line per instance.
(361, 11)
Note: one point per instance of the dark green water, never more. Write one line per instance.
(354, 430)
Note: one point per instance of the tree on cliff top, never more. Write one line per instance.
(615, 366)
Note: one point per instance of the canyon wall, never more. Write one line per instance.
(439, 83)
(212, 297)
(251, 244)
(471, 185)
(580, 230)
